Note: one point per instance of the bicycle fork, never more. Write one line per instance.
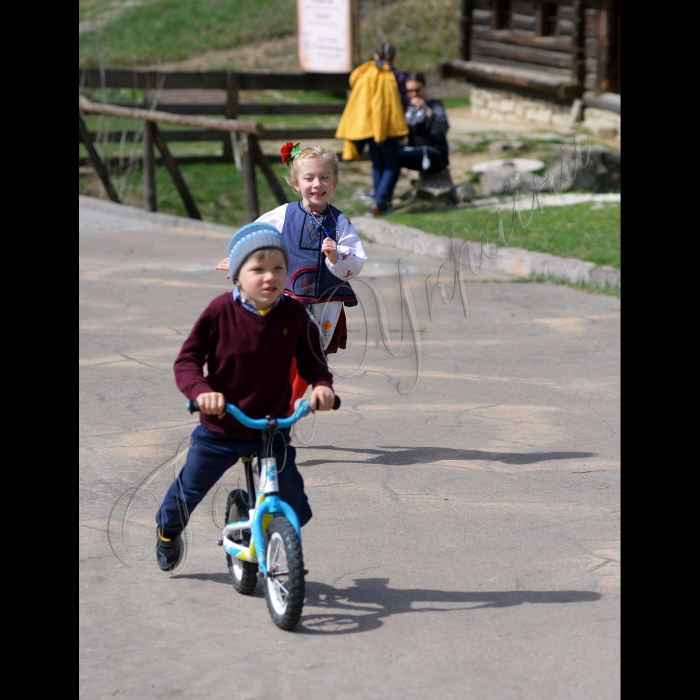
(264, 503)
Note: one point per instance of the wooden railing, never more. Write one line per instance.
(248, 133)
(232, 83)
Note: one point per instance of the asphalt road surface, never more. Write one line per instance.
(465, 538)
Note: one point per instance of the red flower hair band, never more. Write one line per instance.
(289, 151)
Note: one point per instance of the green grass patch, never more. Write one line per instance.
(585, 231)
(115, 95)
(172, 30)
(455, 102)
(306, 97)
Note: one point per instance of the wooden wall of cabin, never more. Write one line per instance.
(526, 34)
(602, 46)
(579, 39)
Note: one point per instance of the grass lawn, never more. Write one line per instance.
(148, 33)
(171, 30)
(585, 231)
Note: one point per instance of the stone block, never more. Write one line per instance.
(606, 275)
(601, 115)
(559, 120)
(600, 174)
(463, 192)
(434, 187)
(501, 181)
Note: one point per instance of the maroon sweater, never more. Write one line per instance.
(249, 358)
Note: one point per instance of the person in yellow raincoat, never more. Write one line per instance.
(374, 115)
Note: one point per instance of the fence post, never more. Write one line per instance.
(231, 112)
(250, 188)
(149, 169)
(267, 171)
(175, 174)
(101, 169)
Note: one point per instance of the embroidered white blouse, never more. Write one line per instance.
(351, 254)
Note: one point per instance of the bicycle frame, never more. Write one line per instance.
(267, 504)
(264, 502)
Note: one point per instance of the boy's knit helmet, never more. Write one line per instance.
(250, 238)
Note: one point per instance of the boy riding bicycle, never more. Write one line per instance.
(248, 340)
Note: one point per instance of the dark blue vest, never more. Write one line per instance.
(309, 279)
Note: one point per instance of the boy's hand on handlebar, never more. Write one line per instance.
(223, 265)
(321, 399)
(213, 403)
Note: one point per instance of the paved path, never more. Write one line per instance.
(465, 539)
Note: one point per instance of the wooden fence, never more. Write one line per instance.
(153, 136)
(232, 83)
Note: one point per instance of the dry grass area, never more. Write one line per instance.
(273, 56)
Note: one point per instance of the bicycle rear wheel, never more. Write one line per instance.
(284, 587)
(244, 574)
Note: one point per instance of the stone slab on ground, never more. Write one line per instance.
(465, 539)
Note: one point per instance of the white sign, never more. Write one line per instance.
(325, 36)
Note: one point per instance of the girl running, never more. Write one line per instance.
(325, 250)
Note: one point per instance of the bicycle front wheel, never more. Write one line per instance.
(284, 586)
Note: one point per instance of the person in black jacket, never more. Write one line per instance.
(427, 149)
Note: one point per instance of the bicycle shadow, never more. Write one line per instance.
(217, 577)
(426, 455)
(364, 607)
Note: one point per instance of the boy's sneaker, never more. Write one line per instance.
(168, 551)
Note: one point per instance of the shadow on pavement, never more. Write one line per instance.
(363, 607)
(214, 578)
(426, 455)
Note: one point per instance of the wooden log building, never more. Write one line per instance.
(552, 51)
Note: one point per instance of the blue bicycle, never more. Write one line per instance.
(262, 535)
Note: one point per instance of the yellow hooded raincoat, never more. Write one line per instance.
(373, 110)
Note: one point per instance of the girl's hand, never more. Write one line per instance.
(330, 248)
(223, 265)
(213, 403)
(321, 399)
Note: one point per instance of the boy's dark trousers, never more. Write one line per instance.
(209, 456)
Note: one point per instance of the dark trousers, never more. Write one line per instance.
(209, 456)
(385, 170)
(412, 158)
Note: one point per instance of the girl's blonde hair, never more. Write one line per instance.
(309, 152)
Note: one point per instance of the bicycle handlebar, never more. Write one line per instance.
(262, 423)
